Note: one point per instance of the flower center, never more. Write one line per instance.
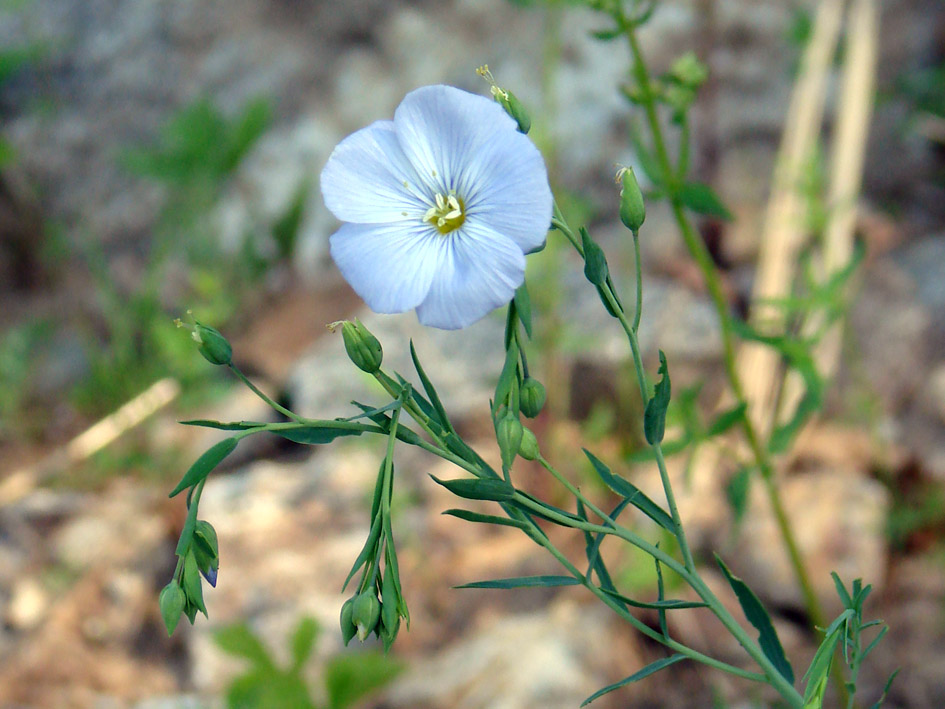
(448, 214)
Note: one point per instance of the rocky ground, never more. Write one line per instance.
(83, 555)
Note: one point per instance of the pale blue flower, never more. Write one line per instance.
(441, 205)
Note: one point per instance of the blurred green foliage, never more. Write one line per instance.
(196, 158)
(265, 685)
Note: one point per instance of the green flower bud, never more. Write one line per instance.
(172, 602)
(529, 446)
(632, 209)
(212, 345)
(348, 628)
(689, 71)
(532, 397)
(365, 612)
(508, 434)
(362, 347)
(516, 109)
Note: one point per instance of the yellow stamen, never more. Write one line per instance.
(448, 214)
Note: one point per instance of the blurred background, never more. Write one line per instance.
(160, 156)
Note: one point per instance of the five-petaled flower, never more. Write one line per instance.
(441, 205)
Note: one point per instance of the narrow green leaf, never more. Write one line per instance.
(889, 682)
(508, 377)
(632, 493)
(548, 506)
(661, 598)
(654, 416)
(303, 641)
(523, 306)
(650, 669)
(726, 420)
(369, 545)
(671, 604)
(239, 641)
(869, 648)
(606, 35)
(187, 533)
(224, 426)
(479, 488)
(486, 519)
(430, 390)
(758, 617)
(841, 590)
(595, 262)
(204, 464)
(525, 582)
(315, 435)
(737, 491)
(702, 199)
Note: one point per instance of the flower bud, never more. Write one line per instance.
(532, 397)
(516, 109)
(362, 347)
(508, 434)
(171, 602)
(348, 628)
(529, 446)
(632, 209)
(212, 345)
(365, 612)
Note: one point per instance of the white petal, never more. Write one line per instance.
(474, 147)
(441, 129)
(391, 266)
(509, 191)
(479, 271)
(369, 180)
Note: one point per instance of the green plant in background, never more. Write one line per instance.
(198, 155)
(346, 679)
(385, 271)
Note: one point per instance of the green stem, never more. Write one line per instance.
(773, 676)
(638, 266)
(278, 407)
(703, 259)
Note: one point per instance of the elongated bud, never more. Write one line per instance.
(171, 601)
(508, 100)
(348, 628)
(516, 109)
(529, 446)
(532, 397)
(508, 434)
(362, 347)
(632, 209)
(365, 612)
(212, 345)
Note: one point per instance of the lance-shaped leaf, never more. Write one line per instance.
(758, 617)
(725, 420)
(702, 199)
(470, 516)
(224, 425)
(201, 468)
(431, 391)
(525, 582)
(654, 416)
(315, 435)
(479, 488)
(595, 262)
(632, 493)
(819, 668)
(669, 604)
(650, 669)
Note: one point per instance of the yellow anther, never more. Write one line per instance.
(447, 214)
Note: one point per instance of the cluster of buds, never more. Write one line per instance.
(184, 594)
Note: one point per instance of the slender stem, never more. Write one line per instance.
(774, 677)
(703, 259)
(278, 407)
(638, 266)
